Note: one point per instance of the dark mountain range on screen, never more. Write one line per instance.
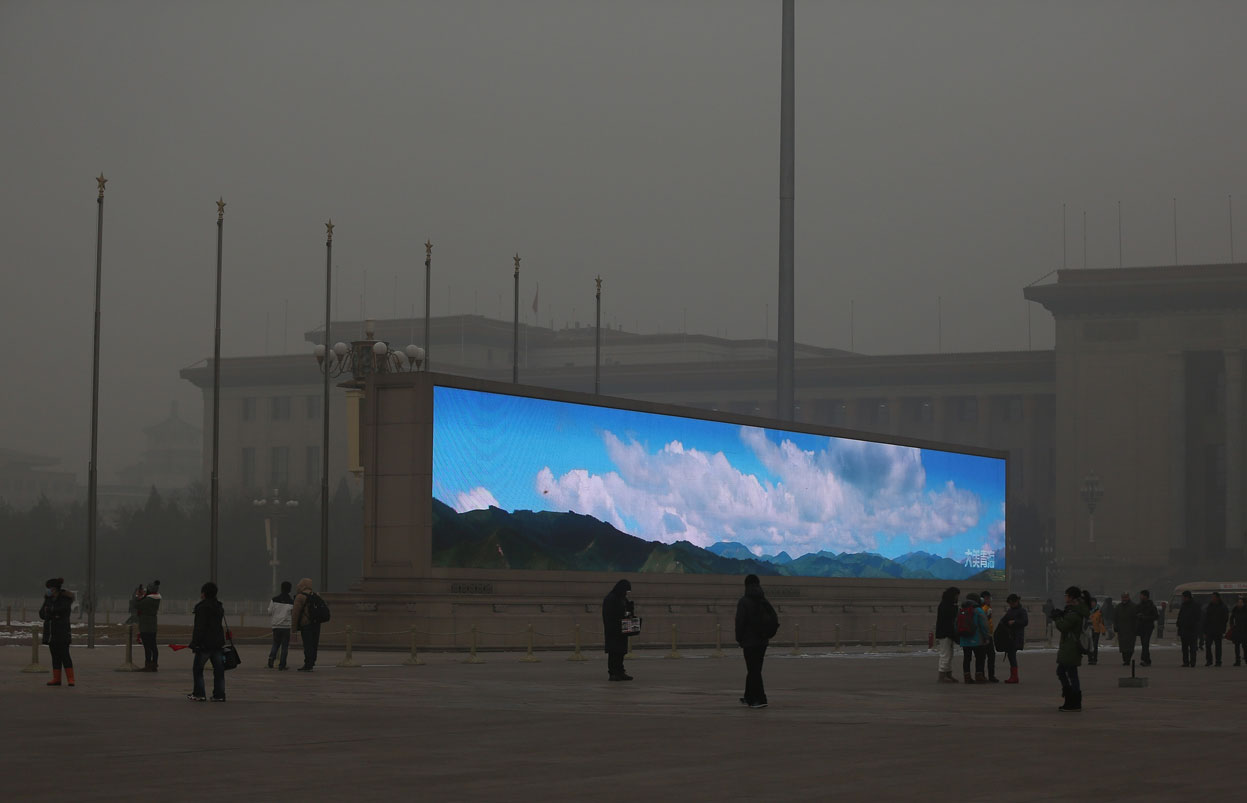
(524, 539)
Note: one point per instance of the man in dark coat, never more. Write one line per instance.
(1216, 620)
(208, 644)
(1146, 617)
(1126, 620)
(1188, 628)
(57, 605)
(615, 606)
(147, 609)
(756, 623)
(1238, 624)
(946, 632)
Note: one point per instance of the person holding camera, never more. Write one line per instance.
(1070, 621)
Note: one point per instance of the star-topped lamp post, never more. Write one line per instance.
(428, 271)
(215, 489)
(324, 415)
(597, 341)
(515, 330)
(92, 478)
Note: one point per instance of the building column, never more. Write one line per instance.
(984, 431)
(1177, 450)
(1233, 449)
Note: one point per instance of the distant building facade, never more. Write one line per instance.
(172, 455)
(25, 478)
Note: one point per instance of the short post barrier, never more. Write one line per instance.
(128, 664)
(674, 638)
(529, 658)
(718, 641)
(23, 613)
(473, 658)
(8, 616)
(106, 616)
(874, 638)
(414, 658)
(242, 621)
(347, 662)
(34, 650)
(576, 656)
(837, 638)
(796, 639)
(904, 635)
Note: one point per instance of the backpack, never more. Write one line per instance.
(1003, 638)
(768, 620)
(966, 625)
(317, 610)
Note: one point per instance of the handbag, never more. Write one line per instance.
(229, 651)
(630, 626)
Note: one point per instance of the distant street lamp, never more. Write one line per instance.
(273, 508)
(1091, 494)
(362, 358)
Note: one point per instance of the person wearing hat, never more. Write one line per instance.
(973, 638)
(1189, 618)
(57, 604)
(756, 625)
(147, 609)
(1014, 623)
(615, 606)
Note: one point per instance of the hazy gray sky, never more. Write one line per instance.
(936, 143)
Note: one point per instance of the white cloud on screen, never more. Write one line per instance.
(838, 499)
(478, 498)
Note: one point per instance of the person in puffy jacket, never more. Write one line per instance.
(756, 623)
(57, 605)
(946, 632)
(301, 622)
(972, 642)
(279, 609)
(208, 644)
(1014, 623)
(1070, 621)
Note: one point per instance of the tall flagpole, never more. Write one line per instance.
(597, 343)
(214, 501)
(324, 415)
(92, 487)
(786, 345)
(428, 273)
(515, 334)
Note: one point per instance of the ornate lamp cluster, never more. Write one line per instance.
(363, 358)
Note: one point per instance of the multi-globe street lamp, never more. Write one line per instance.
(274, 507)
(363, 358)
(1092, 492)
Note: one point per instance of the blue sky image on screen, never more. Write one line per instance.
(669, 478)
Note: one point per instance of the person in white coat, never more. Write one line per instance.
(279, 609)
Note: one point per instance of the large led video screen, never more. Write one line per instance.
(527, 483)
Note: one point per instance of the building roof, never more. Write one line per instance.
(1144, 289)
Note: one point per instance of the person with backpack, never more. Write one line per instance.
(307, 614)
(1011, 633)
(279, 609)
(1070, 621)
(756, 624)
(208, 644)
(148, 611)
(946, 632)
(972, 633)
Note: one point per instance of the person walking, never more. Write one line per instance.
(1126, 615)
(279, 610)
(756, 624)
(55, 610)
(1014, 624)
(147, 608)
(1238, 629)
(615, 606)
(972, 633)
(989, 646)
(1070, 621)
(1189, 617)
(946, 632)
(1146, 619)
(302, 621)
(208, 644)
(1096, 621)
(1216, 620)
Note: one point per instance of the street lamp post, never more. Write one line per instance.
(428, 271)
(1092, 492)
(215, 490)
(515, 332)
(324, 415)
(92, 486)
(597, 342)
(273, 508)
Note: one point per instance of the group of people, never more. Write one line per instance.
(970, 623)
(1128, 621)
(1211, 624)
(756, 624)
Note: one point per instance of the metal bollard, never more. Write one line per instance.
(529, 658)
(674, 636)
(837, 638)
(473, 658)
(796, 639)
(128, 664)
(576, 656)
(904, 634)
(106, 616)
(347, 661)
(23, 613)
(718, 641)
(34, 650)
(242, 621)
(414, 658)
(874, 638)
(8, 616)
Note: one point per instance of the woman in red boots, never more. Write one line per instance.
(57, 603)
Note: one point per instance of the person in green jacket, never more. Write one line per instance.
(1069, 621)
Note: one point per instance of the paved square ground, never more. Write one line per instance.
(852, 727)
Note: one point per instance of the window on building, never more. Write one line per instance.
(248, 467)
(1015, 410)
(968, 409)
(279, 408)
(313, 406)
(924, 411)
(312, 467)
(248, 409)
(279, 467)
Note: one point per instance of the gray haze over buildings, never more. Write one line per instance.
(936, 143)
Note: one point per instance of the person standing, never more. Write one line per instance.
(1096, 621)
(615, 606)
(1238, 628)
(1188, 628)
(279, 609)
(989, 646)
(55, 610)
(972, 633)
(1069, 621)
(208, 644)
(301, 620)
(1216, 620)
(147, 608)
(1110, 620)
(946, 632)
(1162, 609)
(1126, 615)
(1146, 619)
(756, 625)
(1014, 623)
